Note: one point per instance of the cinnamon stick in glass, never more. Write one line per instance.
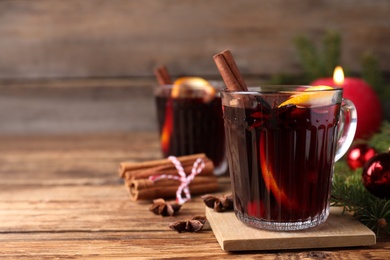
(162, 75)
(229, 71)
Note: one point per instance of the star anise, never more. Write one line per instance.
(164, 208)
(193, 225)
(219, 204)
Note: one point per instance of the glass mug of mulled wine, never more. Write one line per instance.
(282, 143)
(189, 114)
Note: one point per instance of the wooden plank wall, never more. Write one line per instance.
(128, 38)
(87, 66)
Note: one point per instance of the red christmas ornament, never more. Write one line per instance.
(376, 175)
(358, 155)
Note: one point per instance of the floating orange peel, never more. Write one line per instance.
(185, 87)
(312, 98)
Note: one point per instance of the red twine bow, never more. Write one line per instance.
(197, 168)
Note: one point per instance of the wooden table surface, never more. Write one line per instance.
(61, 197)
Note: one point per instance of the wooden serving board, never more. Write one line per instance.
(338, 231)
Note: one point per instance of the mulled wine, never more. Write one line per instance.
(191, 125)
(281, 150)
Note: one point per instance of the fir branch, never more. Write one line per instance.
(381, 140)
(331, 53)
(349, 192)
(290, 79)
(371, 72)
(308, 56)
(319, 62)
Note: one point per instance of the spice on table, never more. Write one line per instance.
(164, 208)
(193, 225)
(219, 204)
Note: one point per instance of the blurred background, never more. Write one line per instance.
(87, 66)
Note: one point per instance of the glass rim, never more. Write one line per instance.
(278, 89)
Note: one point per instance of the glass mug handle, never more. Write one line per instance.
(346, 128)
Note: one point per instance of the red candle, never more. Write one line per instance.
(368, 105)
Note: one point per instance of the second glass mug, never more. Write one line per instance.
(282, 143)
(192, 125)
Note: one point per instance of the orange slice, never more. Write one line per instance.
(186, 86)
(313, 97)
(269, 178)
(167, 129)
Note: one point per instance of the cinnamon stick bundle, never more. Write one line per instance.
(136, 176)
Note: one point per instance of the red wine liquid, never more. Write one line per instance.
(196, 127)
(281, 160)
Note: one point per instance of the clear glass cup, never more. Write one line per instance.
(282, 143)
(191, 125)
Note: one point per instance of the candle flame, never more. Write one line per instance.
(338, 75)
